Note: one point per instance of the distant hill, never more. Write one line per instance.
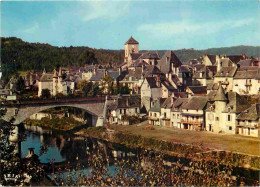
(18, 55)
(188, 54)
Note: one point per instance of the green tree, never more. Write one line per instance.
(46, 93)
(107, 85)
(20, 84)
(11, 163)
(124, 90)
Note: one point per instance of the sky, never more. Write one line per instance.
(155, 24)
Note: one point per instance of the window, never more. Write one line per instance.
(154, 114)
(120, 111)
(217, 118)
(230, 128)
(229, 117)
(135, 110)
(165, 114)
(173, 115)
(178, 115)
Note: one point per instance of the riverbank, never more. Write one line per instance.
(237, 150)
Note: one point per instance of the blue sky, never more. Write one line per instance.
(155, 24)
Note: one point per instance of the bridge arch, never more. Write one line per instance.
(25, 113)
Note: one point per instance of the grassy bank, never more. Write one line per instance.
(183, 143)
(62, 124)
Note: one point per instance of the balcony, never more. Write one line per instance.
(153, 118)
(193, 122)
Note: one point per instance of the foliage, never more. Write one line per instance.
(153, 169)
(107, 85)
(11, 163)
(20, 84)
(46, 93)
(18, 55)
(64, 123)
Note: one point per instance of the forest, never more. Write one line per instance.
(18, 55)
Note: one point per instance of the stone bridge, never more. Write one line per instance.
(22, 110)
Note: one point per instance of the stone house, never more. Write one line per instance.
(247, 81)
(222, 111)
(123, 106)
(248, 121)
(225, 76)
(193, 113)
(176, 112)
(55, 83)
(154, 116)
(204, 76)
(150, 91)
(167, 89)
(166, 112)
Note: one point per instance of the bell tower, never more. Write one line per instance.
(131, 46)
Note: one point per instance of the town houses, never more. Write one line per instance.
(214, 93)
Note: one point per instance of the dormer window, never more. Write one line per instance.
(167, 59)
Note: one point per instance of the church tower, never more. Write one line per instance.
(131, 46)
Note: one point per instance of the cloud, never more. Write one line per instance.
(169, 29)
(103, 9)
(32, 29)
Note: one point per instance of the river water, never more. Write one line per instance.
(62, 148)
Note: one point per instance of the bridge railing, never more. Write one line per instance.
(57, 100)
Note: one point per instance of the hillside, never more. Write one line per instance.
(18, 55)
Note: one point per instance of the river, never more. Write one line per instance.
(67, 150)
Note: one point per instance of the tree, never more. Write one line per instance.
(46, 94)
(124, 90)
(12, 166)
(107, 85)
(20, 84)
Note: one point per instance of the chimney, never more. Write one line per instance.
(142, 68)
(158, 81)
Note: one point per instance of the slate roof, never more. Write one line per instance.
(185, 68)
(212, 58)
(47, 77)
(226, 72)
(197, 67)
(196, 103)
(236, 103)
(150, 55)
(165, 66)
(246, 62)
(167, 103)
(236, 58)
(181, 94)
(212, 86)
(252, 113)
(152, 82)
(168, 85)
(177, 104)
(98, 76)
(250, 73)
(131, 40)
(218, 95)
(198, 89)
(113, 74)
(135, 56)
(133, 101)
